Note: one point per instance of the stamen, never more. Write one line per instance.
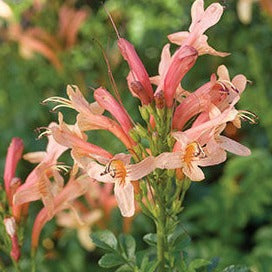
(224, 83)
(193, 152)
(62, 167)
(46, 132)
(249, 116)
(116, 169)
(63, 102)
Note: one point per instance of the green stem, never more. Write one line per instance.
(33, 260)
(161, 237)
(16, 265)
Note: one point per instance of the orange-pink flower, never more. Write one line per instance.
(138, 72)
(119, 171)
(38, 183)
(75, 187)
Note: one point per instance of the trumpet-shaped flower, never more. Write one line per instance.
(14, 154)
(137, 69)
(201, 21)
(75, 187)
(121, 173)
(72, 137)
(90, 115)
(38, 184)
(191, 150)
(107, 102)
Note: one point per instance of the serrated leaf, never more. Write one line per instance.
(110, 260)
(105, 239)
(150, 239)
(128, 245)
(236, 268)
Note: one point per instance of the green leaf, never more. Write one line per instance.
(179, 239)
(151, 267)
(198, 263)
(105, 239)
(236, 268)
(124, 268)
(151, 239)
(128, 245)
(110, 260)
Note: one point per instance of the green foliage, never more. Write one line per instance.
(122, 251)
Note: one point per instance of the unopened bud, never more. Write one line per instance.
(141, 131)
(10, 226)
(134, 135)
(137, 88)
(144, 113)
(14, 184)
(159, 100)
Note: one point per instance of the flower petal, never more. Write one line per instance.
(193, 172)
(233, 146)
(165, 59)
(169, 160)
(240, 82)
(135, 64)
(125, 198)
(141, 169)
(178, 37)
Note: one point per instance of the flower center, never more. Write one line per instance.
(192, 151)
(117, 170)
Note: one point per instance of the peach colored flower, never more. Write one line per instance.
(71, 137)
(121, 173)
(201, 21)
(193, 148)
(14, 154)
(75, 187)
(38, 183)
(107, 102)
(90, 115)
(82, 223)
(138, 72)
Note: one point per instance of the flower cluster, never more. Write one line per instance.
(183, 133)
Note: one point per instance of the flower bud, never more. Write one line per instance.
(134, 135)
(159, 100)
(10, 226)
(144, 113)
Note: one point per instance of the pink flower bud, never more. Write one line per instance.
(135, 64)
(10, 226)
(14, 154)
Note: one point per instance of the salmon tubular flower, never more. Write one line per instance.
(226, 90)
(121, 173)
(10, 226)
(107, 102)
(71, 137)
(191, 150)
(14, 154)
(38, 183)
(201, 21)
(137, 69)
(72, 190)
(182, 61)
